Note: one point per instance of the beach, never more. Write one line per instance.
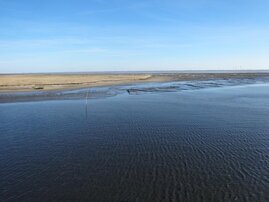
(68, 81)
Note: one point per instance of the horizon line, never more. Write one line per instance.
(143, 71)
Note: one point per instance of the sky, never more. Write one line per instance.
(133, 35)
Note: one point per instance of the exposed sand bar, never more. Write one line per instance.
(31, 82)
(48, 82)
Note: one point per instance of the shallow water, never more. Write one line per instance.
(196, 145)
(138, 88)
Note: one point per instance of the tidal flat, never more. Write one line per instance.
(68, 81)
(202, 140)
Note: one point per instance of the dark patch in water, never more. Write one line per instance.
(192, 85)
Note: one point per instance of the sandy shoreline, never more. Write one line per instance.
(20, 88)
(49, 82)
(52, 82)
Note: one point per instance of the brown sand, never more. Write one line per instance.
(32, 82)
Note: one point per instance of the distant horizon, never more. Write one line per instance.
(147, 71)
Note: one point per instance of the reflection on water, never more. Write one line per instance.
(98, 92)
(206, 145)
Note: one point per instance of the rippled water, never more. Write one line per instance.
(196, 145)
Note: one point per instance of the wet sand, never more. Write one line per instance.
(50, 82)
(159, 84)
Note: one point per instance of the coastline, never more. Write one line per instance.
(111, 86)
(12, 83)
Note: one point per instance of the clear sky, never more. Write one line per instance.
(123, 35)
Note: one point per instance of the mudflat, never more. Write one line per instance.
(48, 82)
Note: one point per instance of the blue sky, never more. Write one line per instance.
(123, 35)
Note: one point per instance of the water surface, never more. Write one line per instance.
(210, 144)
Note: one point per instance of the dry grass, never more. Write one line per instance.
(29, 82)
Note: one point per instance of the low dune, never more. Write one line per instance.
(30, 82)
